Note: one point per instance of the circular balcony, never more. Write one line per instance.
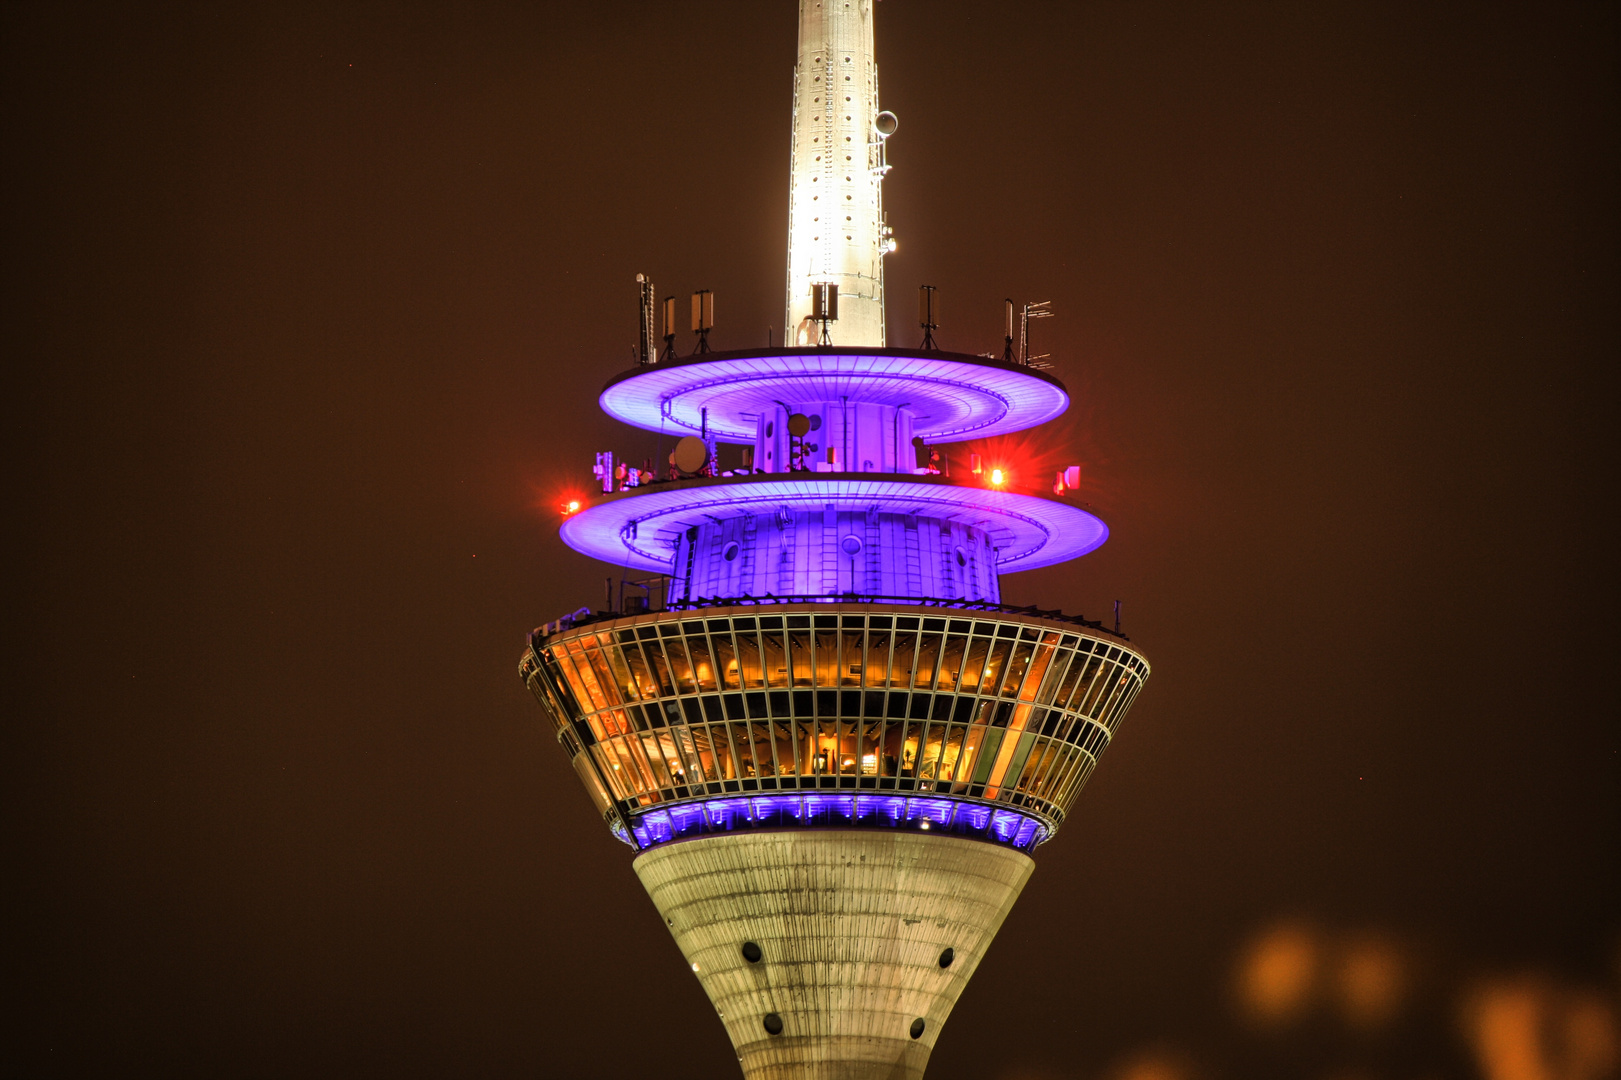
(952, 396)
(982, 724)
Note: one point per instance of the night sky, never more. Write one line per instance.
(306, 311)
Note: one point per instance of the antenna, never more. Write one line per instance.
(1007, 350)
(1117, 616)
(798, 427)
(1038, 309)
(928, 315)
(669, 328)
(690, 455)
(824, 307)
(649, 352)
(703, 317)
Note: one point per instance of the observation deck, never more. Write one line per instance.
(843, 712)
(834, 715)
(833, 498)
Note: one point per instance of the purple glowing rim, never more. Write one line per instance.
(635, 529)
(937, 814)
(953, 396)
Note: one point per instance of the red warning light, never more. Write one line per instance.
(570, 507)
(998, 478)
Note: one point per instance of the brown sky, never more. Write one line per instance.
(307, 308)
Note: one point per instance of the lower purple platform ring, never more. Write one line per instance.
(929, 814)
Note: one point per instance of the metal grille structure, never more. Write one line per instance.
(1007, 712)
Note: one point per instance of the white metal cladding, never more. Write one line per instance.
(834, 181)
(833, 552)
(986, 707)
(950, 396)
(845, 436)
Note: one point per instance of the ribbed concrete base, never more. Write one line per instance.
(850, 927)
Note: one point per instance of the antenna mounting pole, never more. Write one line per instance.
(928, 315)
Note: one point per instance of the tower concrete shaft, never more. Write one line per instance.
(841, 937)
(835, 218)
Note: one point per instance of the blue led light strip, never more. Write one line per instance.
(951, 817)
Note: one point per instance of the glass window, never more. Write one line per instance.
(1083, 685)
(928, 658)
(973, 665)
(653, 750)
(748, 659)
(799, 655)
(721, 744)
(622, 679)
(1018, 667)
(726, 661)
(559, 684)
(951, 661)
(586, 677)
(703, 666)
(904, 656)
(827, 655)
(984, 747)
(605, 676)
(646, 685)
(743, 740)
(1056, 671)
(1102, 684)
(847, 753)
(956, 758)
(659, 667)
(851, 665)
(773, 659)
(1043, 775)
(805, 747)
(682, 756)
(877, 662)
(996, 665)
(708, 760)
(680, 665)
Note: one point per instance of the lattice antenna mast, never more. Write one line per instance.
(1039, 309)
(648, 351)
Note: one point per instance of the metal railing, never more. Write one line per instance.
(583, 617)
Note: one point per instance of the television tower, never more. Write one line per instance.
(832, 748)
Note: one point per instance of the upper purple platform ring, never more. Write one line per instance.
(952, 396)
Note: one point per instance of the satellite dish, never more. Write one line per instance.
(885, 124)
(691, 454)
(799, 425)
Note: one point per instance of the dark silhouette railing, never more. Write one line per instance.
(583, 617)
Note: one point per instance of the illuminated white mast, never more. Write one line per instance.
(836, 229)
